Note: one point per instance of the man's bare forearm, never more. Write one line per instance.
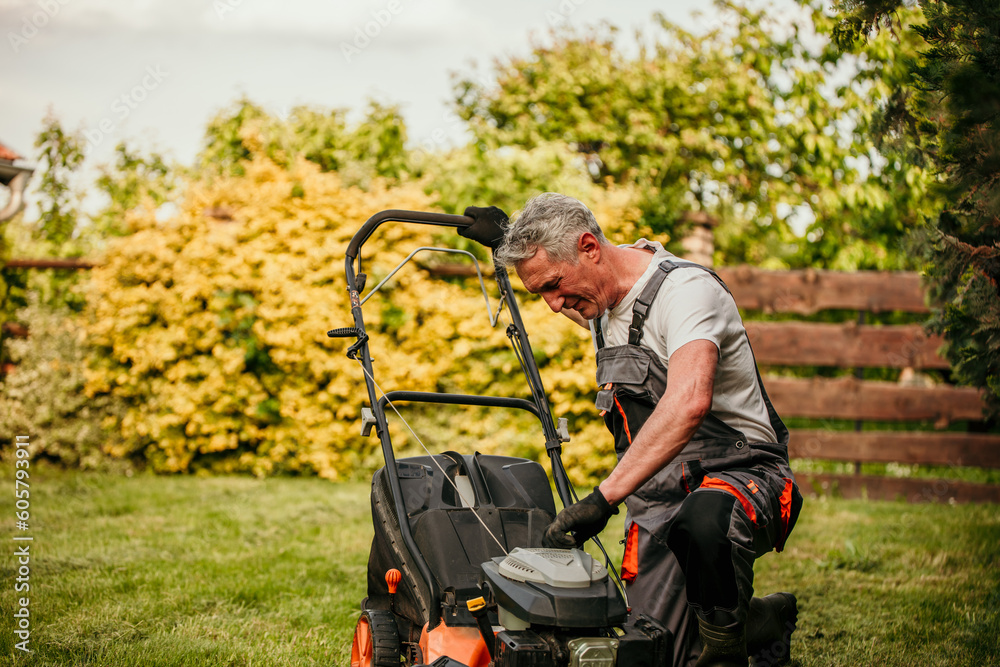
(674, 421)
(660, 441)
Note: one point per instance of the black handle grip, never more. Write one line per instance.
(344, 332)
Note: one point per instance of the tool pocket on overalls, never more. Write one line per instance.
(692, 474)
(789, 504)
(626, 398)
(624, 366)
(625, 418)
(669, 485)
(666, 490)
(747, 488)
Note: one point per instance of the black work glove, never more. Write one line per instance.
(488, 228)
(586, 519)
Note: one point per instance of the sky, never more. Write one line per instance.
(154, 72)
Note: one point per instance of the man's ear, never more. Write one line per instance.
(589, 246)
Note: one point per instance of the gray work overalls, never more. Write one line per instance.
(752, 506)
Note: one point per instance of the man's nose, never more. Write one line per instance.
(554, 300)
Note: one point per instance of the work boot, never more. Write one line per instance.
(723, 647)
(770, 624)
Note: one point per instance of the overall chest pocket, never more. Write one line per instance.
(631, 371)
(632, 384)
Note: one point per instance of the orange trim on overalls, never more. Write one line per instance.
(630, 560)
(628, 434)
(723, 485)
(786, 513)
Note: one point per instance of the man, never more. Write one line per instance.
(702, 455)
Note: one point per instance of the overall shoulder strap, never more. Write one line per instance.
(645, 299)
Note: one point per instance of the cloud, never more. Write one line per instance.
(294, 18)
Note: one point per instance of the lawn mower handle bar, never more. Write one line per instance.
(360, 352)
(458, 222)
(395, 215)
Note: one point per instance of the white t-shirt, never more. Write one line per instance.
(692, 305)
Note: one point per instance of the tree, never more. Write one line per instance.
(131, 181)
(948, 115)
(375, 147)
(744, 123)
(61, 153)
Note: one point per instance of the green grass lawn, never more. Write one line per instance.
(235, 571)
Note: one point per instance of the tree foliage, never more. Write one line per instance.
(743, 122)
(505, 177)
(374, 147)
(61, 154)
(948, 116)
(132, 181)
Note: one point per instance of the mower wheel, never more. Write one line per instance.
(376, 640)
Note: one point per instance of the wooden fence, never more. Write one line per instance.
(856, 345)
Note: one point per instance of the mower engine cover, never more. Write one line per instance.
(561, 568)
(555, 587)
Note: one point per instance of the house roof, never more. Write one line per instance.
(11, 165)
(8, 154)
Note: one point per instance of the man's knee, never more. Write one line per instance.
(701, 526)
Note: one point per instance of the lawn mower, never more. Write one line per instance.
(457, 575)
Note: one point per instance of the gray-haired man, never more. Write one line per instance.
(702, 455)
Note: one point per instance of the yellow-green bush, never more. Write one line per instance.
(213, 331)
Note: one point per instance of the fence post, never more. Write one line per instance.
(699, 244)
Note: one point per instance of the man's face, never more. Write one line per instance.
(564, 285)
